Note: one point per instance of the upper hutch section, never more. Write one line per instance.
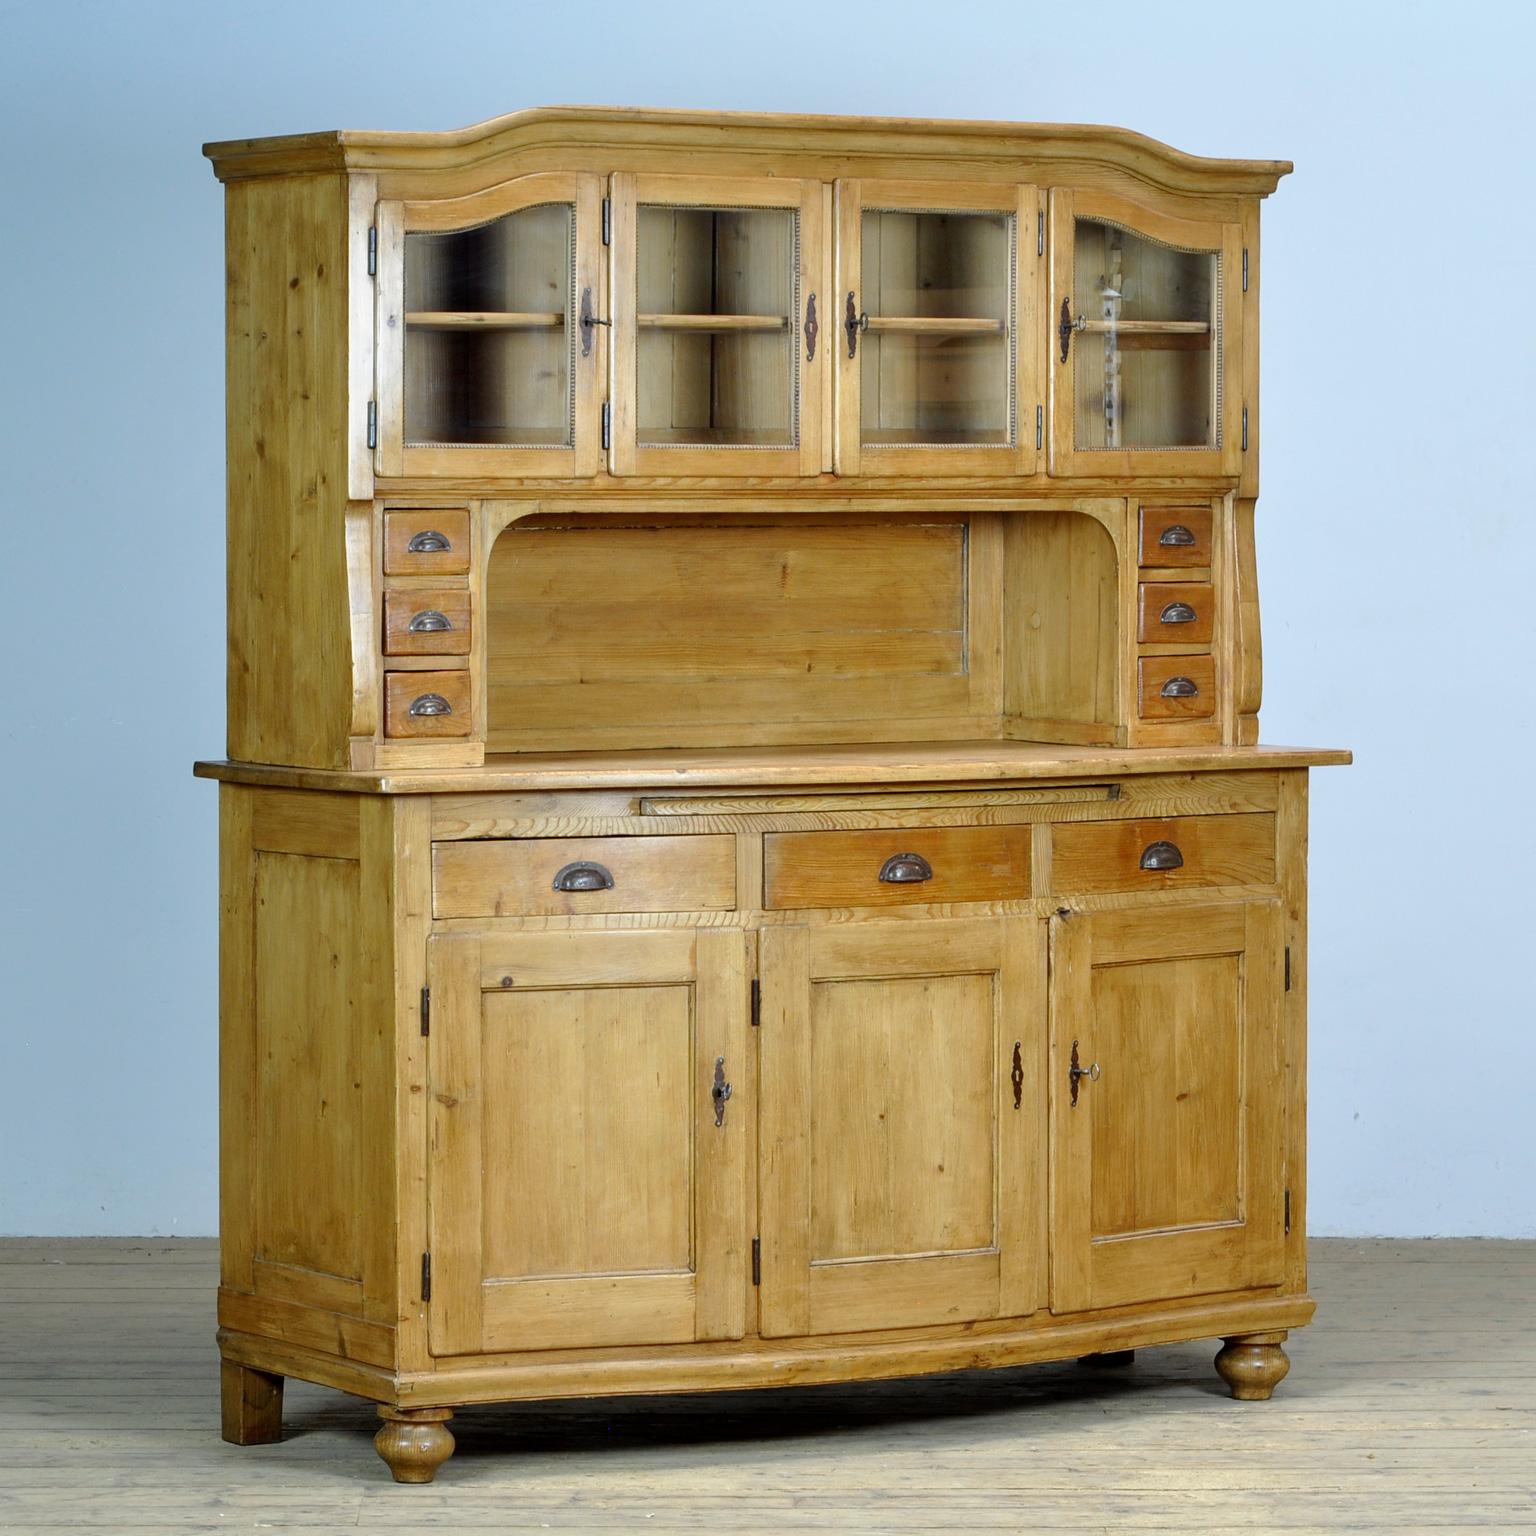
(584, 294)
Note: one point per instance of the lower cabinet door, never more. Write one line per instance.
(902, 1142)
(587, 1173)
(1166, 1090)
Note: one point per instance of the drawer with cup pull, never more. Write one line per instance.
(1179, 612)
(1176, 687)
(1174, 536)
(426, 704)
(427, 621)
(1088, 857)
(552, 876)
(431, 543)
(889, 867)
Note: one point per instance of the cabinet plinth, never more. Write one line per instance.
(744, 854)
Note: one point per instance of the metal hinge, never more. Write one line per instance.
(373, 250)
(608, 220)
(1287, 967)
(426, 1010)
(607, 423)
(1039, 425)
(1245, 429)
(1245, 269)
(757, 1002)
(1287, 1210)
(757, 1261)
(373, 424)
(1040, 233)
(426, 1277)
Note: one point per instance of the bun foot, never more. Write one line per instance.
(1253, 1365)
(414, 1442)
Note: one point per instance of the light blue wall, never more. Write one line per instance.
(1396, 552)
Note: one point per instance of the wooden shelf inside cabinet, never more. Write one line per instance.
(934, 325)
(706, 323)
(482, 320)
(1152, 335)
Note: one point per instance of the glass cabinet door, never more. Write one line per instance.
(484, 365)
(719, 337)
(1144, 320)
(936, 285)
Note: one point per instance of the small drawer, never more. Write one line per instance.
(426, 543)
(549, 876)
(426, 704)
(429, 621)
(1175, 536)
(1157, 855)
(1179, 612)
(1176, 687)
(887, 868)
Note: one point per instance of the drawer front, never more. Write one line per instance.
(1160, 855)
(942, 864)
(426, 543)
(426, 704)
(1175, 536)
(1181, 612)
(1176, 687)
(547, 876)
(427, 622)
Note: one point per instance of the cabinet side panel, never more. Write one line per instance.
(290, 655)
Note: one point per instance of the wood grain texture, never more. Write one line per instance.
(1216, 850)
(1159, 608)
(413, 619)
(1157, 524)
(404, 693)
(451, 525)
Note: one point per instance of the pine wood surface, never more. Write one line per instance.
(1410, 1407)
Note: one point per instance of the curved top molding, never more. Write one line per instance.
(863, 142)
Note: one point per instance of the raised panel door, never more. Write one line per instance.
(1166, 1087)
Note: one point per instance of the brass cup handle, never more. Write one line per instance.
(428, 542)
(1177, 613)
(1162, 855)
(430, 621)
(1176, 535)
(428, 705)
(1179, 688)
(906, 869)
(583, 875)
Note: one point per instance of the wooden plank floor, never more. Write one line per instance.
(1411, 1406)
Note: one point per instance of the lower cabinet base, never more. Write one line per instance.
(414, 1439)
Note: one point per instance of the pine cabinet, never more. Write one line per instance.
(745, 853)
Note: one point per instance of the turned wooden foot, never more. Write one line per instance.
(1109, 1359)
(414, 1442)
(1253, 1365)
(251, 1405)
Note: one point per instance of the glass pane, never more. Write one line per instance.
(1144, 359)
(936, 355)
(489, 331)
(717, 295)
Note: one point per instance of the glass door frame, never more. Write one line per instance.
(394, 220)
(627, 455)
(1221, 462)
(1024, 202)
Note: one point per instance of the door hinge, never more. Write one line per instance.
(607, 220)
(1040, 233)
(1287, 1210)
(1039, 425)
(373, 424)
(1287, 967)
(1245, 429)
(426, 1010)
(1245, 269)
(373, 250)
(757, 1261)
(757, 1002)
(607, 423)
(426, 1277)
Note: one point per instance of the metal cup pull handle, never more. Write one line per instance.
(584, 876)
(429, 542)
(430, 621)
(429, 704)
(1179, 688)
(1162, 855)
(1177, 613)
(1176, 534)
(720, 1090)
(906, 869)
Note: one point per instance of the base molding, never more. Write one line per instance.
(754, 1363)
